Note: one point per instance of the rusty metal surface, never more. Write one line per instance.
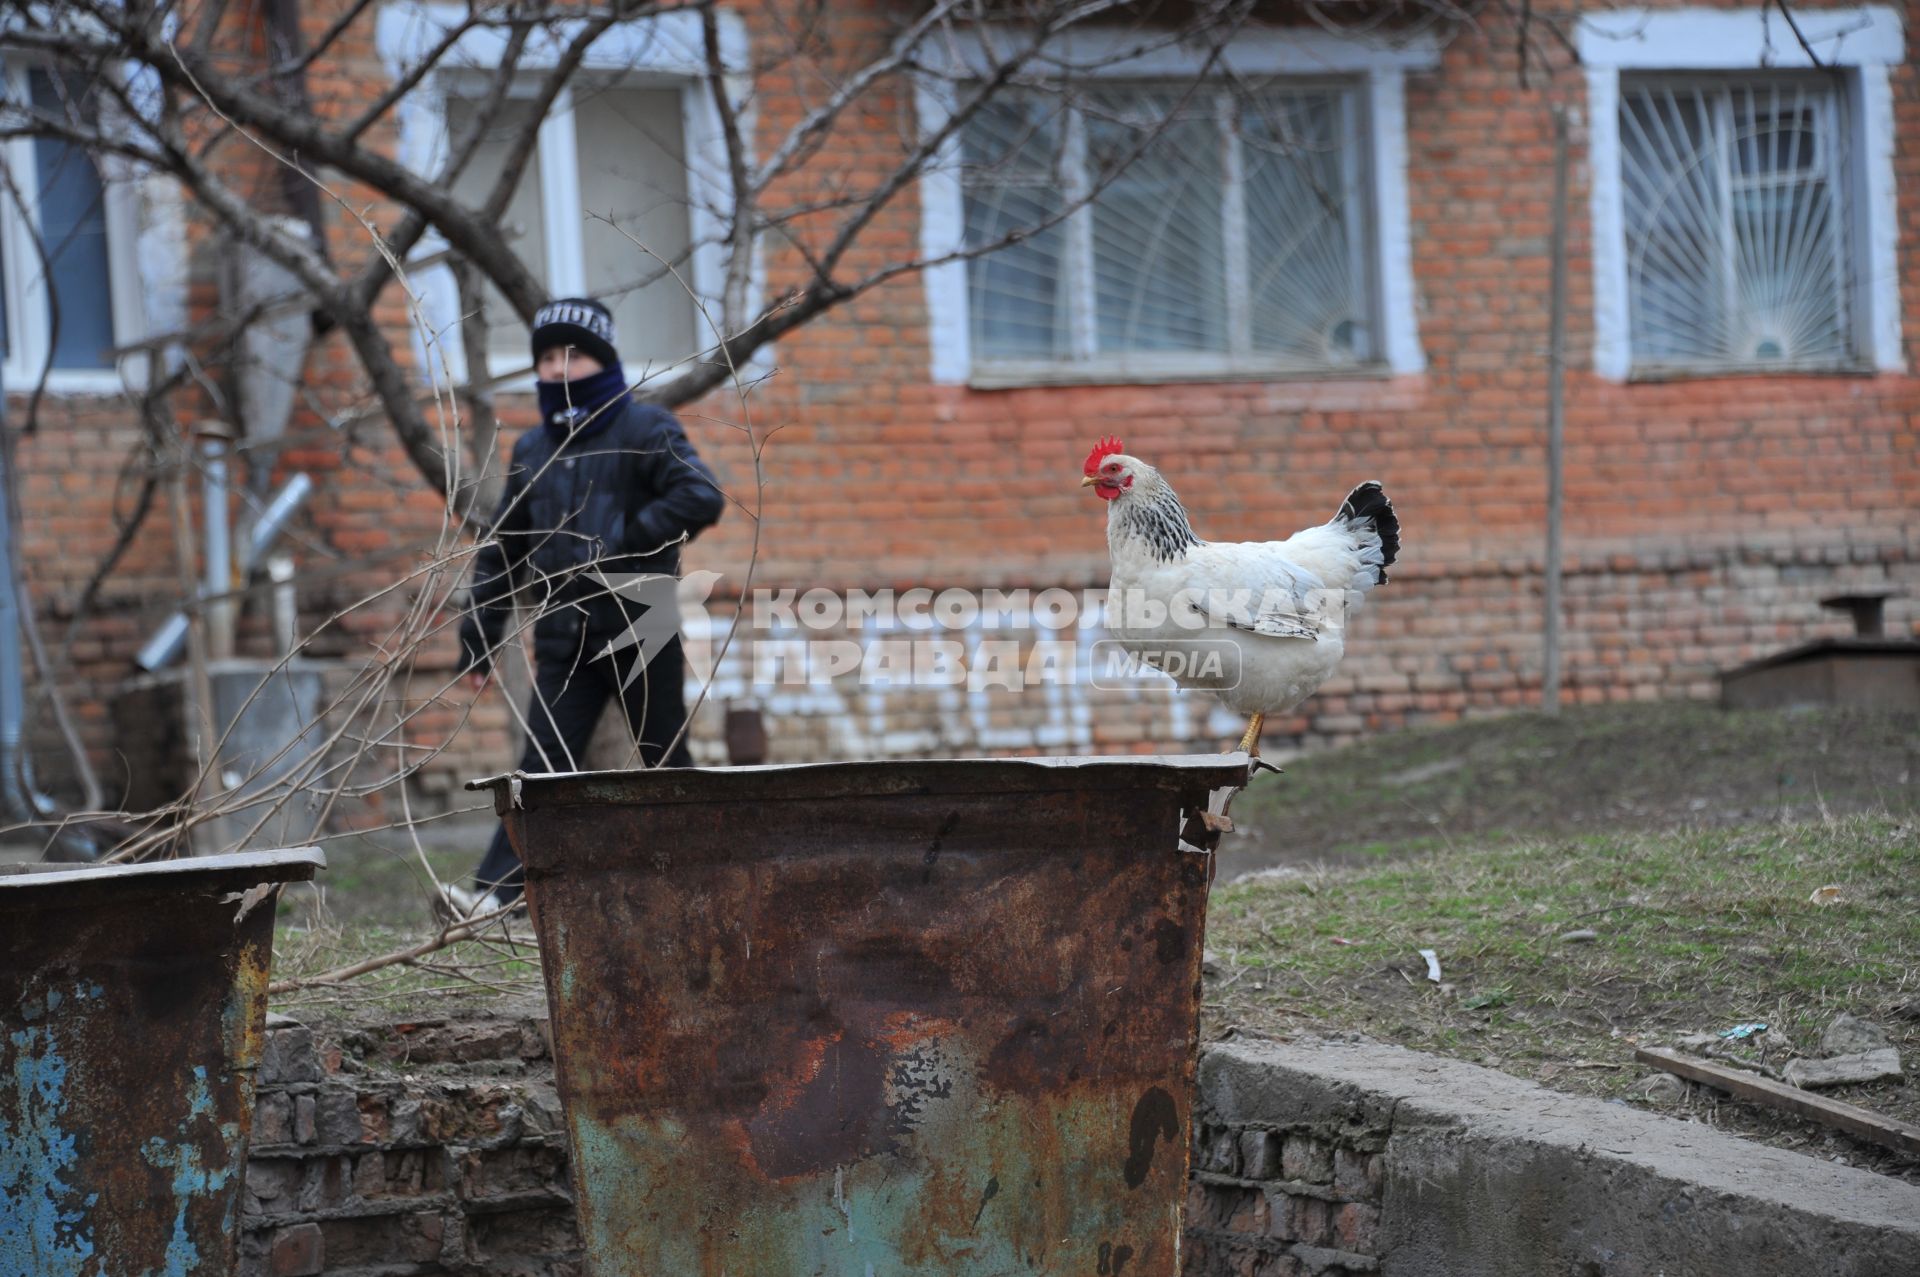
(132, 1005)
(889, 1018)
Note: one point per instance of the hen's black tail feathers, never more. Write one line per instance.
(1368, 503)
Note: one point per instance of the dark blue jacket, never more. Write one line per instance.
(615, 500)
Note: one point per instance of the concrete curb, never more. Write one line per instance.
(1485, 1175)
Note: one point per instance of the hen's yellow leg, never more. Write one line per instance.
(1250, 743)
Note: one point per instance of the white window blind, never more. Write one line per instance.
(524, 221)
(633, 169)
(1227, 231)
(625, 170)
(1735, 203)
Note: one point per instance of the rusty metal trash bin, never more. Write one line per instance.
(132, 1008)
(874, 1018)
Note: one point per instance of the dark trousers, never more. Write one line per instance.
(568, 698)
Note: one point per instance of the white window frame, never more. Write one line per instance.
(26, 289)
(1380, 68)
(1863, 44)
(666, 51)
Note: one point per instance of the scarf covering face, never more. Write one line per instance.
(575, 408)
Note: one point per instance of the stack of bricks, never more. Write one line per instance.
(438, 1147)
(408, 1150)
(1283, 1203)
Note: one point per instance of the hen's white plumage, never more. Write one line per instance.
(1262, 624)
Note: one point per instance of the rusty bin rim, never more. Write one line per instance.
(1195, 774)
(236, 870)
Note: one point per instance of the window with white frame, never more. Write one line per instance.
(1154, 214)
(59, 220)
(1744, 208)
(1736, 202)
(600, 208)
(1216, 229)
(629, 175)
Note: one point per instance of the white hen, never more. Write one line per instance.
(1261, 624)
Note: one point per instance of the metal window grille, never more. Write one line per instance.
(1225, 230)
(1735, 204)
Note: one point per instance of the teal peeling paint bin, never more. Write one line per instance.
(132, 1016)
(918, 1019)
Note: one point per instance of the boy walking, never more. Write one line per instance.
(604, 485)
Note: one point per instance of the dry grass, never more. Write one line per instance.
(1602, 770)
(374, 898)
(1696, 932)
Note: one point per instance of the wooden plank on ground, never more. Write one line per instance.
(1864, 1123)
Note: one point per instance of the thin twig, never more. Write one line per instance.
(1794, 25)
(451, 934)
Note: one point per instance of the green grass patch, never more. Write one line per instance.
(1609, 768)
(1695, 931)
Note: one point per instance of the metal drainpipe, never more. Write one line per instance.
(13, 794)
(160, 650)
(219, 548)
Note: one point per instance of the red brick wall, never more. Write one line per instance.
(1704, 517)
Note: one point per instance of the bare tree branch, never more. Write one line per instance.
(409, 80)
(1794, 24)
(483, 424)
(464, 229)
(817, 123)
(401, 240)
(739, 238)
(284, 43)
(451, 934)
(296, 63)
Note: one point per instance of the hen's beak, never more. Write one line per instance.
(1089, 480)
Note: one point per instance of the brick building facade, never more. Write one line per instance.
(1714, 490)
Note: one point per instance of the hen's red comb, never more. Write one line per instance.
(1101, 451)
